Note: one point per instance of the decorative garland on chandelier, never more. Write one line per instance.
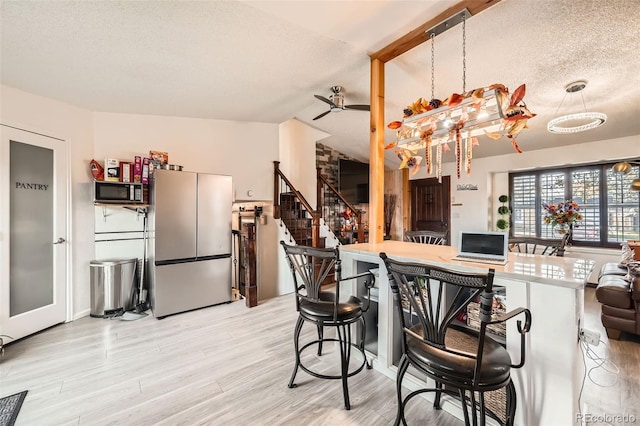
(429, 123)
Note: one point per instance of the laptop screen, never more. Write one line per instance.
(492, 245)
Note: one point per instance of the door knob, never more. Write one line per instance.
(60, 241)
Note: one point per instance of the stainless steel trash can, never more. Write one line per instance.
(112, 286)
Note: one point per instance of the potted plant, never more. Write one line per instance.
(504, 212)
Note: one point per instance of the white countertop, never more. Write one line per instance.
(559, 271)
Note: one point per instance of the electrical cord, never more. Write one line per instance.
(584, 378)
(601, 362)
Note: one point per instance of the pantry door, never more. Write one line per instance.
(34, 194)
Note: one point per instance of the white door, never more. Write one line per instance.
(34, 190)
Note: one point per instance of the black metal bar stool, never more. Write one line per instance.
(462, 362)
(318, 302)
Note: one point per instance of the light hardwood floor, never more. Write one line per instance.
(224, 365)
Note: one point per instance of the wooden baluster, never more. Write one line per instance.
(276, 190)
(315, 229)
(360, 227)
(319, 186)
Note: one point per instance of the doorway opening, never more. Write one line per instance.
(431, 205)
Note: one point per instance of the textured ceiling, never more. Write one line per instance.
(264, 60)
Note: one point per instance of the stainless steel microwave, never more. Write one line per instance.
(117, 192)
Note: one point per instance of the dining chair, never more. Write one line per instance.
(543, 246)
(426, 237)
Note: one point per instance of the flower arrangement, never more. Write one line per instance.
(348, 220)
(565, 215)
(347, 214)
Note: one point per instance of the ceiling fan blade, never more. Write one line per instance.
(323, 99)
(322, 115)
(358, 107)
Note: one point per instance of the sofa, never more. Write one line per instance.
(619, 293)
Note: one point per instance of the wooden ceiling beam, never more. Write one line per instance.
(418, 36)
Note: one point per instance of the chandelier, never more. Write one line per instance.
(582, 120)
(429, 125)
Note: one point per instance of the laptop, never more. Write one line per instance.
(483, 247)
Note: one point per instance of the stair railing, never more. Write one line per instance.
(291, 213)
(334, 208)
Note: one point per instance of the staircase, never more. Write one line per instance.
(301, 220)
(296, 219)
(332, 204)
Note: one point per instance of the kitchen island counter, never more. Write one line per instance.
(552, 288)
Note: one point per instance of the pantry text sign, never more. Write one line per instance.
(33, 186)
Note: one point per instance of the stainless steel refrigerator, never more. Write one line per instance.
(189, 241)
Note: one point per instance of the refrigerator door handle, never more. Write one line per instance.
(192, 259)
(215, 256)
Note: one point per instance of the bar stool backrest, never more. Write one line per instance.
(426, 237)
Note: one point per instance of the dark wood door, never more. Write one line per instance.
(430, 205)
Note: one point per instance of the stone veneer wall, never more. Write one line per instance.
(327, 159)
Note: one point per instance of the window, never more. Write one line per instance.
(610, 209)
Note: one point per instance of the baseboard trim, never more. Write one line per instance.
(81, 314)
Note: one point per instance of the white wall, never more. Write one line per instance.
(479, 208)
(268, 249)
(298, 163)
(298, 156)
(74, 125)
(284, 277)
(243, 150)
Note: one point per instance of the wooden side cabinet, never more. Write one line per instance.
(248, 264)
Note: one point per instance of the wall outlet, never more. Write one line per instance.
(589, 336)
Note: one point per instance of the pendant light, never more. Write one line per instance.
(625, 167)
(582, 121)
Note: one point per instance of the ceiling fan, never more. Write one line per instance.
(336, 102)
